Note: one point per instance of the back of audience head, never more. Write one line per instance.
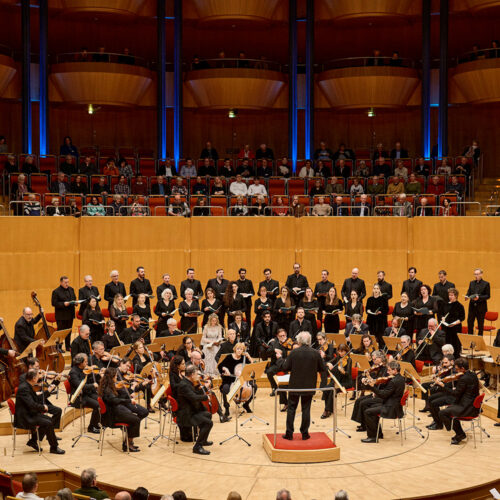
(179, 495)
(123, 495)
(140, 494)
(64, 494)
(283, 495)
(30, 482)
(341, 495)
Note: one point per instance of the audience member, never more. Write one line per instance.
(60, 186)
(166, 168)
(362, 208)
(382, 168)
(259, 207)
(226, 170)
(179, 495)
(334, 187)
(361, 169)
(245, 169)
(78, 186)
(4, 147)
(240, 209)
(188, 169)
(256, 188)
(265, 169)
(413, 186)
(343, 153)
(395, 187)
(402, 207)
(122, 186)
(238, 187)
(284, 168)
(323, 152)
(283, 495)
(64, 494)
(307, 170)
(380, 152)
(101, 187)
(356, 187)
(10, 166)
(110, 168)
(68, 166)
(321, 208)
(264, 152)
(32, 207)
(199, 187)
(421, 168)
(140, 493)
(55, 209)
(317, 188)
(434, 187)
(376, 187)
(160, 187)
(178, 207)
(68, 148)
(207, 168)
(123, 495)
(30, 487)
(179, 187)
(95, 208)
(341, 169)
(246, 152)
(140, 186)
(296, 208)
(233, 495)
(341, 495)
(88, 480)
(321, 170)
(398, 152)
(125, 168)
(218, 188)
(463, 168)
(401, 170)
(455, 187)
(117, 207)
(29, 166)
(339, 209)
(444, 168)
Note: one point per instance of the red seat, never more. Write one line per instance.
(402, 402)
(118, 425)
(50, 317)
(490, 316)
(9, 487)
(419, 365)
(476, 420)
(12, 411)
(296, 185)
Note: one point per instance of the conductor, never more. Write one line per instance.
(303, 363)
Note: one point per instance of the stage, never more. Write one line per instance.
(422, 466)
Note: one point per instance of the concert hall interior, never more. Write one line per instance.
(212, 209)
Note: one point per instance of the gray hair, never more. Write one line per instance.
(341, 495)
(356, 317)
(406, 337)
(84, 328)
(97, 343)
(80, 358)
(171, 321)
(64, 494)
(87, 477)
(303, 338)
(448, 348)
(188, 290)
(164, 293)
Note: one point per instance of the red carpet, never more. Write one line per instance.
(318, 441)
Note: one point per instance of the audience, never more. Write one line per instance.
(88, 480)
(30, 487)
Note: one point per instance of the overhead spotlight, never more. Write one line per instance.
(233, 113)
(371, 113)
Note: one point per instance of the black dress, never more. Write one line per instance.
(311, 316)
(109, 342)
(92, 319)
(189, 324)
(259, 307)
(455, 312)
(405, 312)
(144, 313)
(283, 318)
(421, 320)
(238, 304)
(214, 306)
(332, 321)
(119, 316)
(186, 432)
(377, 323)
(163, 311)
(357, 309)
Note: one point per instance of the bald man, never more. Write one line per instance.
(123, 495)
(24, 331)
(353, 283)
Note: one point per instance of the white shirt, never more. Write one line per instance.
(238, 188)
(28, 496)
(257, 189)
(303, 172)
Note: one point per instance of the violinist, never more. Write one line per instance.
(24, 331)
(137, 384)
(331, 310)
(227, 369)
(101, 358)
(342, 370)
(263, 333)
(110, 338)
(132, 334)
(435, 394)
(311, 309)
(263, 303)
(366, 347)
(283, 308)
(300, 324)
(327, 352)
(241, 328)
(93, 318)
(191, 412)
(284, 345)
(406, 353)
(143, 310)
(378, 370)
(390, 407)
(88, 396)
(117, 405)
(118, 313)
(176, 375)
(82, 343)
(30, 413)
(228, 345)
(356, 327)
(187, 348)
(434, 339)
(465, 392)
(164, 309)
(455, 315)
(211, 305)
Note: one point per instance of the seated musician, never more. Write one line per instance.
(356, 326)
(396, 329)
(117, 403)
(176, 375)
(283, 344)
(327, 352)
(227, 368)
(101, 358)
(366, 347)
(81, 344)
(241, 328)
(263, 333)
(342, 370)
(465, 392)
(406, 354)
(29, 413)
(300, 324)
(378, 369)
(434, 340)
(88, 396)
(187, 348)
(197, 361)
(228, 345)
(110, 337)
(132, 334)
(191, 412)
(434, 392)
(24, 330)
(137, 385)
(390, 407)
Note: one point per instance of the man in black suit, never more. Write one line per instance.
(209, 152)
(62, 297)
(29, 413)
(303, 363)
(339, 209)
(398, 152)
(300, 324)
(140, 285)
(81, 344)
(478, 294)
(362, 208)
(322, 287)
(390, 407)
(86, 292)
(412, 285)
(114, 287)
(166, 284)
(424, 210)
(353, 283)
(264, 332)
(433, 351)
(192, 283)
(60, 186)
(24, 330)
(465, 392)
(297, 284)
(245, 286)
(88, 396)
(272, 286)
(191, 412)
(385, 287)
(160, 187)
(440, 289)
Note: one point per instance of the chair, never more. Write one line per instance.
(403, 401)
(67, 388)
(12, 411)
(475, 421)
(8, 486)
(354, 376)
(490, 316)
(419, 366)
(118, 425)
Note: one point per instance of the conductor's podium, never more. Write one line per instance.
(320, 448)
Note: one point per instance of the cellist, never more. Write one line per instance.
(24, 331)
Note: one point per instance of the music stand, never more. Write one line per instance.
(74, 397)
(337, 338)
(250, 373)
(342, 389)
(356, 340)
(392, 343)
(30, 349)
(495, 354)
(410, 372)
(163, 416)
(472, 343)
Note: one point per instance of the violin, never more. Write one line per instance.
(288, 343)
(452, 378)
(379, 380)
(110, 357)
(122, 384)
(402, 352)
(91, 370)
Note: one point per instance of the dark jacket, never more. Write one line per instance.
(195, 285)
(243, 332)
(80, 345)
(161, 288)
(263, 333)
(24, 332)
(466, 390)
(481, 288)
(85, 293)
(75, 377)
(190, 400)
(112, 402)
(28, 406)
(432, 351)
(412, 288)
(220, 288)
(296, 327)
(358, 285)
(138, 286)
(110, 290)
(59, 296)
(391, 394)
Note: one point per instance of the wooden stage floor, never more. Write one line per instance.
(376, 471)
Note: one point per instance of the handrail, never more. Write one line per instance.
(464, 205)
(210, 207)
(107, 57)
(238, 63)
(488, 207)
(472, 55)
(370, 61)
(383, 210)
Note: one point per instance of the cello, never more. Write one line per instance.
(50, 357)
(14, 368)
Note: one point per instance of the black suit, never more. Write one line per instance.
(477, 308)
(358, 285)
(432, 351)
(160, 289)
(155, 189)
(264, 333)
(403, 153)
(29, 414)
(303, 363)
(385, 288)
(246, 286)
(117, 410)
(296, 327)
(80, 345)
(139, 286)
(272, 287)
(88, 396)
(191, 412)
(195, 285)
(242, 331)
(24, 332)
(412, 288)
(64, 314)
(296, 281)
(111, 289)
(390, 407)
(84, 294)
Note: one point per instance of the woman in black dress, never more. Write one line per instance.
(424, 301)
(376, 310)
(187, 348)
(403, 309)
(93, 318)
(140, 360)
(456, 314)
(241, 328)
(110, 338)
(189, 305)
(354, 306)
(283, 309)
(118, 313)
(211, 305)
(143, 310)
(263, 303)
(164, 309)
(233, 301)
(311, 308)
(333, 307)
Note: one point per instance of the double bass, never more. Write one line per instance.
(49, 357)
(14, 368)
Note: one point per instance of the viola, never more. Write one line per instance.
(212, 403)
